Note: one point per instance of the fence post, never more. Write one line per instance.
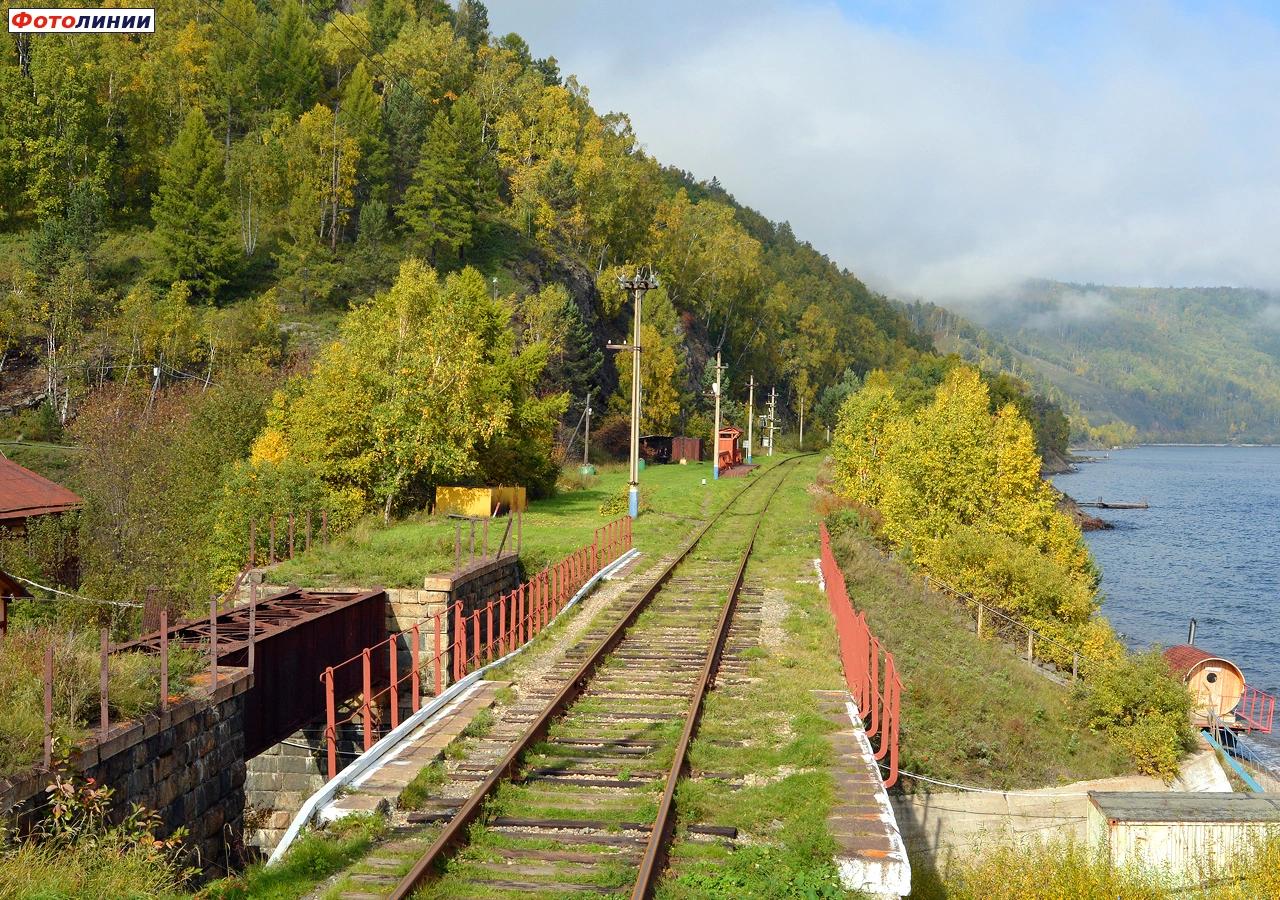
(1075, 665)
(415, 683)
(48, 707)
(459, 647)
(253, 543)
(439, 675)
(213, 644)
(253, 623)
(164, 660)
(485, 554)
(1031, 636)
(475, 637)
(331, 723)
(394, 667)
(471, 552)
(103, 676)
(520, 531)
(503, 624)
(980, 610)
(488, 631)
(365, 706)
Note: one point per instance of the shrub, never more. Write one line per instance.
(1142, 707)
(614, 435)
(1047, 870)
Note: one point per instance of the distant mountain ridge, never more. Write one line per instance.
(1179, 364)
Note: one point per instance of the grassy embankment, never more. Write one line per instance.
(972, 710)
(401, 554)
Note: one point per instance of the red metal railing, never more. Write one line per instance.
(1256, 710)
(874, 685)
(459, 641)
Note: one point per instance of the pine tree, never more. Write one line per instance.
(471, 22)
(582, 358)
(291, 74)
(361, 116)
(193, 226)
(435, 207)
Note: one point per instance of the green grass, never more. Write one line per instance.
(133, 688)
(89, 869)
(403, 553)
(414, 795)
(972, 711)
(314, 857)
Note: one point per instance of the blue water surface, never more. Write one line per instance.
(1208, 547)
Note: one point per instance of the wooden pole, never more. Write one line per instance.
(253, 615)
(103, 678)
(213, 646)
(164, 659)
(48, 707)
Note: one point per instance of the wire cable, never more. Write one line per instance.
(69, 596)
(981, 790)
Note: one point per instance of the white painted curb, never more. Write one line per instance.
(386, 749)
(892, 876)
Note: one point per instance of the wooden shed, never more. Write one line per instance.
(1216, 684)
(688, 449)
(1190, 838)
(729, 447)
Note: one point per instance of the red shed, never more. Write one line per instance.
(24, 494)
(729, 447)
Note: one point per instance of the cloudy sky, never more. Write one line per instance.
(949, 149)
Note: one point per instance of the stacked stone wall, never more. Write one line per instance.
(186, 764)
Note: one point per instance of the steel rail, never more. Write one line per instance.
(454, 834)
(654, 860)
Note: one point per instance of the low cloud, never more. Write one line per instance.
(955, 156)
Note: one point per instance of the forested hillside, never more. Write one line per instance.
(1178, 364)
(277, 255)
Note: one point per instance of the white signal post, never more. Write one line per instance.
(751, 412)
(715, 441)
(636, 286)
(802, 421)
(773, 415)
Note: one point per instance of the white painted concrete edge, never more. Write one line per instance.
(822, 582)
(890, 877)
(368, 762)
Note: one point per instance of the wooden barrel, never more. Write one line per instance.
(1215, 683)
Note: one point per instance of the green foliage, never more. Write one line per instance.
(959, 493)
(314, 856)
(190, 210)
(75, 852)
(1148, 711)
(760, 872)
(424, 387)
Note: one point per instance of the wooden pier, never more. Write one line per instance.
(1110, 504)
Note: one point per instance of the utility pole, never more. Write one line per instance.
(586, 437)
(636, 286)
(715, 458)
(773, 415)
(751, 412)
(802, 421)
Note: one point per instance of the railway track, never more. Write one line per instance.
(580, 799)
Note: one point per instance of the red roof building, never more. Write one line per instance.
(24, 494)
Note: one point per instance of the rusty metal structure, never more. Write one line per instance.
(288, 641)
(649, 656)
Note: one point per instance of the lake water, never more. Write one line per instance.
(1209, 548)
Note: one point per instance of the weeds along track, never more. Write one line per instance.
(582, 800)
